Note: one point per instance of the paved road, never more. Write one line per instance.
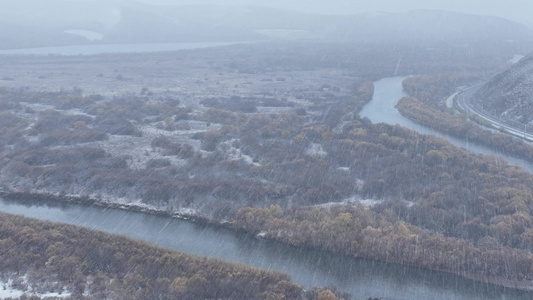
(463, 101)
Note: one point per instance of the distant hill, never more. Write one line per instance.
(431, 25)
(32, 23)
(510, 93)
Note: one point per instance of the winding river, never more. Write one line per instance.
(382, 109)
(362, 278)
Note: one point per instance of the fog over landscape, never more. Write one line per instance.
(517, 10)
(308, 150)
(31, 23)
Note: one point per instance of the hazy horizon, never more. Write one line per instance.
(516, 10)
(61, 22)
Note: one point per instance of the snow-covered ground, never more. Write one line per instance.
(7, 291)
(354, 201)
(234, 153)
(89, 35)
(316, 150)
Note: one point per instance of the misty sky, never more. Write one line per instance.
(518, 10)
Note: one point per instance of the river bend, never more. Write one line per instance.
(382, 109)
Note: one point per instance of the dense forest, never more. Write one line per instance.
(40, 257)
(438, 197)
(294, 164)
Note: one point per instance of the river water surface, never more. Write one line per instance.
(93, 49)
(362, 278)
(382, 109)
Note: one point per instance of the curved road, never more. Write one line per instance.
(462, 101)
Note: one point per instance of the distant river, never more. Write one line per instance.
(382, 109)
(94, 49)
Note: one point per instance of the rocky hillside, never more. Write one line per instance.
(510, 93)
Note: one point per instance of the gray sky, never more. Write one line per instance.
(518, 10)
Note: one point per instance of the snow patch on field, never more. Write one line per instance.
(316, 150)
(195, 127)
(89, 35)
(7, 291)
(353, 201)
(367, 203)
(234, 153)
